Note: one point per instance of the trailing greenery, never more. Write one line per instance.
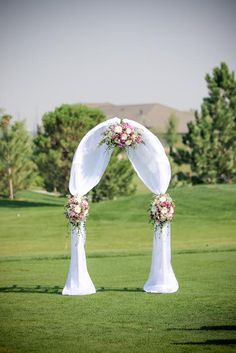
(211, 139)
(16, 166)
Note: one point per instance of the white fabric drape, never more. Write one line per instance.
(89, 163)
(90, 160)
(78, 279)
(150, 161)
(161, 278)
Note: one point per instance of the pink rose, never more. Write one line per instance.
(139, 139)
(84, 204)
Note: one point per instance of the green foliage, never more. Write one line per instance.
(171, 139)
(117, 180)
(16, 166)
(171, 135)
(57, 141)
(211, 138)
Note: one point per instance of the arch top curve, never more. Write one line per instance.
(149, 160)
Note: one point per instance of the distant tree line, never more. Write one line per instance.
(208, 149)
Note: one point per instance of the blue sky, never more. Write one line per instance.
(123, 52)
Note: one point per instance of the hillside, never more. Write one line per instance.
(151, 115)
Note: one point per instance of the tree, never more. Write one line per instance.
(57, 141)
(16, 166)
(211, 138)
(171, 135)
(117, 180)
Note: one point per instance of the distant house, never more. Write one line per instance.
(151, 115)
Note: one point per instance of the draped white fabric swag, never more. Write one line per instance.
(153, 168)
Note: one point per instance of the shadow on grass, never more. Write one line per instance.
(21, 203)
(57, 290)
(206, 328)
(224, 342)
(35, 289)
(125, 289)
(218, 342)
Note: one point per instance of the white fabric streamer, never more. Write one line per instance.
(78, 279)
(90, 160)
(161, 278)
(150, 161)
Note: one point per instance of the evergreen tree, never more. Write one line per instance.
(16, 166)
(57, 141)
(171, 135)
(211, 138)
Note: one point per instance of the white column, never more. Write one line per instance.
(161, 278)
(78, 280)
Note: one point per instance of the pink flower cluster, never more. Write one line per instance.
(121, 135)
(77, 209)
(162, 209)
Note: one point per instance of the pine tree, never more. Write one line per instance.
(16, 166)
(211, 138)
(171, 135)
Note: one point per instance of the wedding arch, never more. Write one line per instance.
(153, 168)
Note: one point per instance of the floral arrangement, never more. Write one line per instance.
(121, 135)
(162, 209)
(77, 209)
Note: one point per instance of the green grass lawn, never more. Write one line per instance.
(120, 317)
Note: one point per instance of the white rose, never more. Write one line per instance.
(128, 142)
(171, 210)
(128, 130)
(162, 199)
(164, 210)
(124, 137)
(85, 212)
(77, 209)
(118, 129)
